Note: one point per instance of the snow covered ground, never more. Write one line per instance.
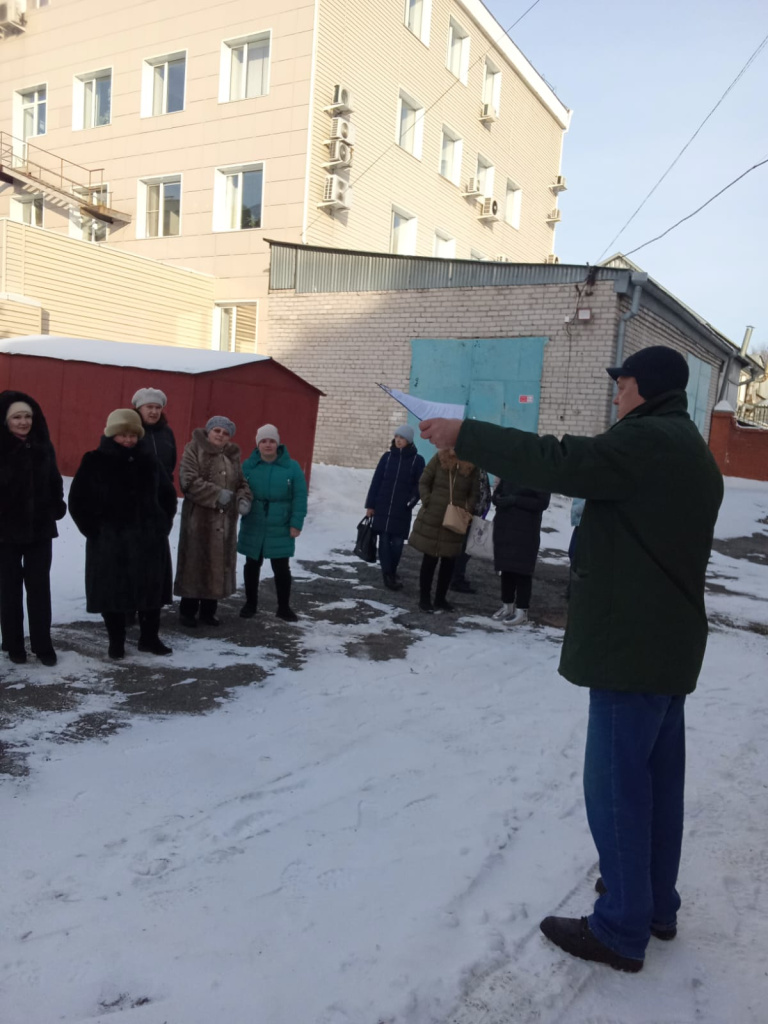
(374, 842)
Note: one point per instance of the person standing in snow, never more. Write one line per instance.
(444, 480)
(123, 502)
(516, 539)
(392, 495)
(150, 404)
(31, 503)
(215, 493)
(636, 631)
(275, 520)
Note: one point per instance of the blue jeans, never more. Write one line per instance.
(634, 776)
(390, 550)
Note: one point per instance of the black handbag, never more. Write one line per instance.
(366, 540)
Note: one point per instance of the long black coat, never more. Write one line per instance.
(517, 527)
(159, 439)
(123, 502)
(31, 489)
(394, 490)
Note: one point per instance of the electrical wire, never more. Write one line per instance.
(432, 105)
(699, 209)
(743, 71)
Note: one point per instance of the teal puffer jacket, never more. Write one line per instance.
(279, 503)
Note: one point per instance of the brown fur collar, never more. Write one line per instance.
(449, 462)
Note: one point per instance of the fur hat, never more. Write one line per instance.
(124, 421)
(406, 432)
(15, 407)
(149, 396)
(656, 369)
(220, 421)
(268, 432)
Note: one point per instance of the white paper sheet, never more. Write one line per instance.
(423, 409)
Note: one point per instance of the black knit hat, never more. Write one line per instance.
(656, 369)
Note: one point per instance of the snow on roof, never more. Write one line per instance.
(170, 358)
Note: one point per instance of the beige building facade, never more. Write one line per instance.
(407, 126)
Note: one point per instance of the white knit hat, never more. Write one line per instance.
(149, 396)
(267, 432)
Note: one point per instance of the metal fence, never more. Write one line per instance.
(754, 415)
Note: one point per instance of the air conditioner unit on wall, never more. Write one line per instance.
(558, 185)
(12, 15)
(337, 194)
(342, 100)
(339, 154)
(473, 187)
(554, 217)
(342, 130)
(488, 113)
(489, 211)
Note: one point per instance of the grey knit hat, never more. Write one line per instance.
(149, 396)
(220, 421)
(406, 432)
(268, 432)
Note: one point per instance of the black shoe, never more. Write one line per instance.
(425, 605)
(248, 610)
(18, 657)
(188, 620)
(665, 934)
(572, 935)
(462, 587)
(153, 647)
(391, 582)
(441, 605)
(116, 651)
(47, 658)
(287, 614)
(209, 620)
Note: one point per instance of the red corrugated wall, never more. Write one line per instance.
(738, 451)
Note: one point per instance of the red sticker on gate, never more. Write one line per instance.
(524, 399)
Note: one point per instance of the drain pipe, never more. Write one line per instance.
(638, 280)
(729, 366)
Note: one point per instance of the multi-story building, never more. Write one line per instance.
(191, 135)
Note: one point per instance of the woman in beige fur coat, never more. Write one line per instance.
(215, 494)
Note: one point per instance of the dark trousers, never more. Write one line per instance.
(516, 588)
(192, 605)
(26, 566)
(149, 625)
(444, 574)
(280, 567)
(390, 552)
(634, 777)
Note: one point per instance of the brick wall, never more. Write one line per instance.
(739, 451)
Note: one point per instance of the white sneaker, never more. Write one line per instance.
(518, 619)
(505, 612)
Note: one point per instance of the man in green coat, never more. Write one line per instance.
(636, 633)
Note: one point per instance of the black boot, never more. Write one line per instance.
(391, 581)
(149, 639)
(251, 574)
(283, 581)
(115, 623)
(572, 935)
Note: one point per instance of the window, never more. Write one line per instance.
(450, 155)
(92, 100)
(158, 212)
(163, 80)
(236, 326)
(444, 246)
(245, 67)
(491, 86)
(238, 197)
(28, 209)
(410, 125)
(418, 15)
(513, 203)
(403, 236)
(33, 112)
(84, 225)
(485, 175)
(457, 61)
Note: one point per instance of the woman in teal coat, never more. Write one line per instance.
(275, 521)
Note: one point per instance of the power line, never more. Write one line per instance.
(743, 71)
(700, 208)
(426, 110)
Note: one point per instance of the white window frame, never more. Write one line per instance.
(220, 218)
(81, 225)
(22, 205)
(148, 84)
(141, 204)
(406, 240)
(218, 321)
(457, 30)
(78, 99)
(491, 84)
(513, 203)
(443, 245)
(19, 107)
(458, 153)
(423, 31)
(225, 65)
(485, 171)
(413, 137)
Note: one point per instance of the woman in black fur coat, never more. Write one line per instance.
(150, 404)
(123, 501)
(31, 502)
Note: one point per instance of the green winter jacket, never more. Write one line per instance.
(279, 503)
(636, 618)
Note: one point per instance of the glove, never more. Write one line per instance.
(244, 506)
(224, 497)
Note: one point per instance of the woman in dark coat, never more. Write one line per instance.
(150, 404)
(516, 538)
(124, 503)
(393, 493)
(31, 502)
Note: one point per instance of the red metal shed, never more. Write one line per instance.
(78, 382)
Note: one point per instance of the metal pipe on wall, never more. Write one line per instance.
(638, 280)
